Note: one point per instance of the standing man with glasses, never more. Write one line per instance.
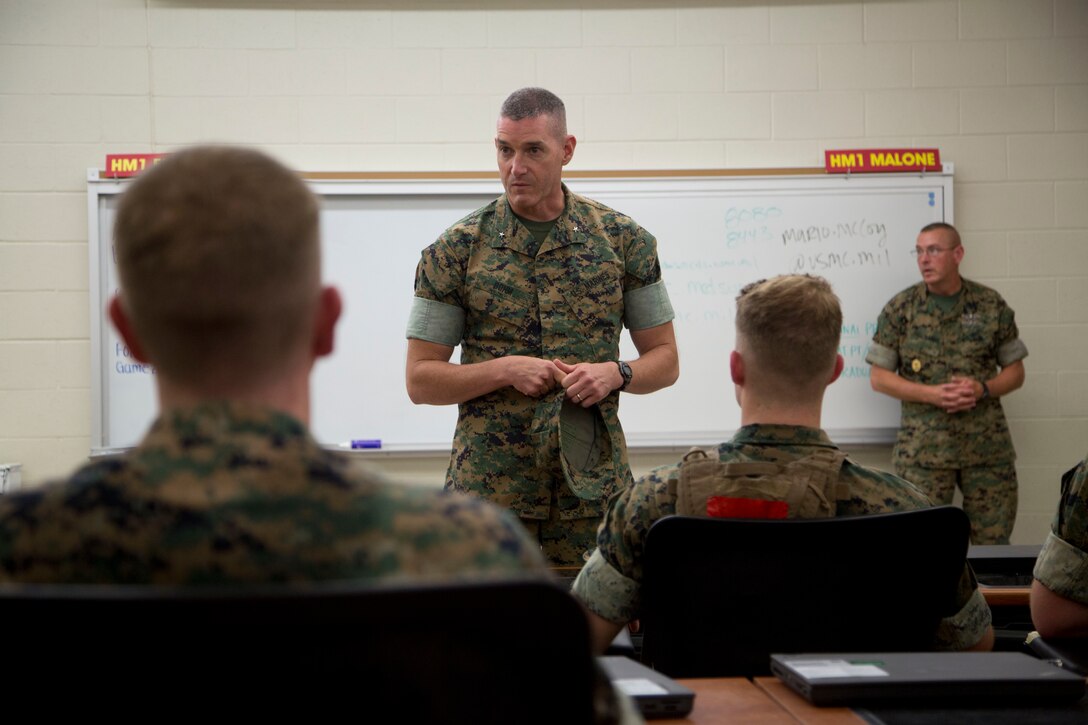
(949, 349)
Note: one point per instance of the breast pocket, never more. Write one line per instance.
(921, 358)
(976, 348)
(502, 317)
(596, 301)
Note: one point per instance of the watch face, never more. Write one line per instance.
(625, 371)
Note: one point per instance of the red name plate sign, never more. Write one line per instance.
(119, 165)
(841, 161)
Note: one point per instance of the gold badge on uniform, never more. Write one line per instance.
(916, 365)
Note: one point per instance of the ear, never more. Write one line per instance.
(736, 368)
(124, 328)
(839, 365)
(957, 254)
(329, 307)
(568, 149)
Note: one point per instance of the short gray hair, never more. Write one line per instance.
(953, 234)
(532, 102)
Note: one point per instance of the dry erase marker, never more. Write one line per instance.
(366, 443)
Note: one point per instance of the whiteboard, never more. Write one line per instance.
(715, 234)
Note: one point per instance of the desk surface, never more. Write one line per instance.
(765, 700)
(768, 700)
(1006, 596)
(802, 710)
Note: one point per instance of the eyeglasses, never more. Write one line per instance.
(931, 251)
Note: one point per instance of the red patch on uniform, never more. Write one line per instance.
(725, 507)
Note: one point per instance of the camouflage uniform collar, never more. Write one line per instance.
(216, 420)
(963, 298)
(761, 434)
(570, 228)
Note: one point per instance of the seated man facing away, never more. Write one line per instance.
(1059, 593)
(219, 259)
(218, 254)
(786, 355)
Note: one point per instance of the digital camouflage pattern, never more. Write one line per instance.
(610, 583)
(561, 299)
(922, 344)
(1062, 565)
(989, 496)
(225, 493)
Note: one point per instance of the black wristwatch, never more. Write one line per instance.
(625, 371)
(985, 390)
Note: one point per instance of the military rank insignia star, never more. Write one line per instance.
(502, 235)
(915, 364)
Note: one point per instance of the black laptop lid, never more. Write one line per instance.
(656, 695)
(919, 678)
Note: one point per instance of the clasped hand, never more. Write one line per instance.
(957, 395)
(586, 383)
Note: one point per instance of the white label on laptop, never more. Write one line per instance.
(634, 686)
(819, 669)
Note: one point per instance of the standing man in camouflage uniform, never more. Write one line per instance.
(536, 288)
(786, 355)
(1059, 593)
(218, 255)
(949, 349)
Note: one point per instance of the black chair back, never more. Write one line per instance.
(485, 652)
(721, 595)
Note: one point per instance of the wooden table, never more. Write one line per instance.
(1006, 596)
(765, 700)
(802, 710)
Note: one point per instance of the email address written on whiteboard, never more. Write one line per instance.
(760, 242)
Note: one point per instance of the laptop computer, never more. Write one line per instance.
(655, 694)
(925, 678)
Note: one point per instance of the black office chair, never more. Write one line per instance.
(497, 652)
(720, 595)
(1070, 653)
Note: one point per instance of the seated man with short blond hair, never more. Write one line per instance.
(786, 355)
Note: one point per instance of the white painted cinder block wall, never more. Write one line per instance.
(1000, 86)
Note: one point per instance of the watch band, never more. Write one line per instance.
(985, 390)
(625, 373)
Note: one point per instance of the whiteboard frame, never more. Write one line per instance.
(100, 187)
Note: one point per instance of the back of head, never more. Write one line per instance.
(788, 330)
(532, 102)
(218, 254)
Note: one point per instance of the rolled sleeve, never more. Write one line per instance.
(647, 307)
(882, 357)
(1011, 351)
(436, 322)
(606, 592)
(966, 627)
(1063, 569)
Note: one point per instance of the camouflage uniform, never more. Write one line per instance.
(610, 583)
(1062, 565)
(225, 493)
(487, 285)
(934, 449)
